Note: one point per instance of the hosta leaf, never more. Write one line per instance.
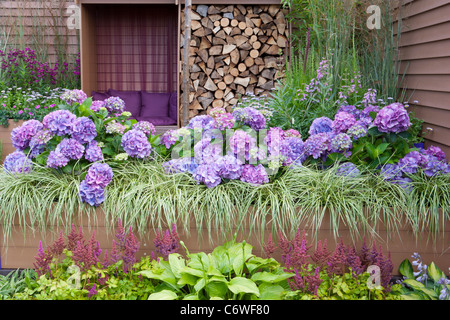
(243, 285)
(163, 295)
(270, 277)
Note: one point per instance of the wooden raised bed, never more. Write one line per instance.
(22, 246)
(5, 137)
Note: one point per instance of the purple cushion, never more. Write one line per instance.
(132, 100)
(173, 108)
(155, 104)
(158, 121)
(99, 95)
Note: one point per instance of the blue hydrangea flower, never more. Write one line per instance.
(392, 118)
(71, 148)
(255, 175)
(348, 169)
(84, 130)
(411, 162)
(318, 145)
(434, 167)
(294, 151)
(207, 174)
(319, 125)
(391, 172)
(204, 122)
(21, 136)
(274, 141)
(94, 195)
(57, 160)
(17, 163)
(435, 151)
(59, 122)
(180, 165)
(99, 174)
(136, 144)
(169, 138)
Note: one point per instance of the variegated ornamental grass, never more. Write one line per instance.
(141, 194)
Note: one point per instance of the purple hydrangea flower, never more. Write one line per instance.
(21, 136)
(94, 195)
(73, 96)
(274, 140)
(343, 121)
(392, 118)
(405, 183)
(240, 144)
(93, 152)
(294, 151)
(437, 152)
(71, 148)
(206, 152)
(57, 160)
(180, 165)
(365, 113)
(169, 138)
(17, 162)
(59, 122)
(135, 143)
(318, 145)
(350, 109)
(84, 130)
(255, 175)
(341, 142)
(146, 127)
(434, 167)
(114, 105)
(391, 172)
(250, 117)
(208, 174)
(319, 125)
(99, 174)
(39, 141)
(97, 104)
(411, 162)
(204, 122)
(229, 167)
(348, 169)
(223, 121)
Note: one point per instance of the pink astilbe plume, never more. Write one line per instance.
(353, 260)
(43, 259)
(299, 254)
(337, 261)
(57, 248)
(74, 237)
(86, 255)
(167, 242)
(321, 254)
(130, 250)
(269, 247)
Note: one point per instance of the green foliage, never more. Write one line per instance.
(231, 271)
(429, 283)
(15, 282)
(348, 286)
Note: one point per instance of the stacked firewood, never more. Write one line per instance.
(234, 50)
